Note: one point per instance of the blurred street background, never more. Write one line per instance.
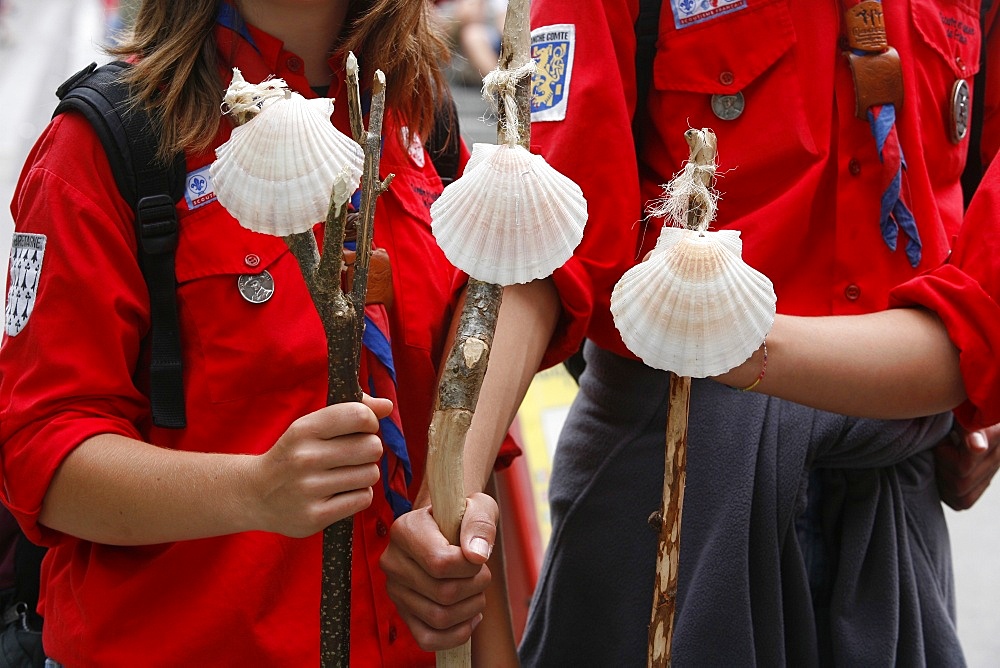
(42, 42)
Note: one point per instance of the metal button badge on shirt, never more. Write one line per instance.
(728, 107)
(960, 110)
(256, 288)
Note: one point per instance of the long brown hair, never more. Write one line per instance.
(177, 68)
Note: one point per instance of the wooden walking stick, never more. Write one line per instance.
(695, 309)
(661, 625)
(480, 222)
(342, 314)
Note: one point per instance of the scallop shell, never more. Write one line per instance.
(694, 307)
(511, 218)
(276, 173)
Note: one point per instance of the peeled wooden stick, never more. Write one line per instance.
(458, 389)
(668, 518)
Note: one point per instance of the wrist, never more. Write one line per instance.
(248, 493)
(748, 375)
(762, 353)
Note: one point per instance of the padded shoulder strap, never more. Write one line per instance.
(647, 31)
(130, 138)
(444, 143)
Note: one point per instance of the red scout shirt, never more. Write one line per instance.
(250, 370)
(798, 171)
(965, 294)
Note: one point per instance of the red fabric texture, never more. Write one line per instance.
(965, 293)
(250, 370)
(802, 187)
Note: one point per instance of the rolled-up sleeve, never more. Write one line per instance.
(66, 367)
(964, 294)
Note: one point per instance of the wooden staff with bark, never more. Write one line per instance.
(341, 313)
(693, 308)
(465, 367)
(668, 519)
(344, 325)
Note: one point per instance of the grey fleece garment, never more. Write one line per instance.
(745, 596)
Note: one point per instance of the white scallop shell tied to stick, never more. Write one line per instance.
(511, 218)
(276, 172)
(694, 307)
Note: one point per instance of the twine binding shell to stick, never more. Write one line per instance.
(694, 307)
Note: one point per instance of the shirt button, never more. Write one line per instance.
(854, 167)
(381, 529)
(392, 634)
(252, 260)
(294, 63)
(852, 292)
(727, 78)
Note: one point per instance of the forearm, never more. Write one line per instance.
(493, 644)
(894, 364)
(119, 491)
(528, 317)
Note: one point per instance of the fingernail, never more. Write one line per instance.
(481, 546)
(979, 441)
(475, 622)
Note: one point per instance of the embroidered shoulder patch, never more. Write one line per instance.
(552, 48)
(691, 12)
(26, 253)
(198, 188)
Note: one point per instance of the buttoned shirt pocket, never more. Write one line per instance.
(243, 338)
(945, 54)
(738, 74)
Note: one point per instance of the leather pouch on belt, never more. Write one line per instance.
(878, 79)
(379, 276)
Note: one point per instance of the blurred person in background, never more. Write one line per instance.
(474, 28)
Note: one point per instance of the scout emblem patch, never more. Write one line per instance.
(198, 189)
(26, 253)
(552, 49)
(691, 12)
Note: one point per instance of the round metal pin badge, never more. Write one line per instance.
(256, 288)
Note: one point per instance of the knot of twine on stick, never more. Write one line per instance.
(689, 200)
(245, 100)
(502, 84)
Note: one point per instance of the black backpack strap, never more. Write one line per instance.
(444, 142)
(973, 173)
(130, 138)
(647, 31)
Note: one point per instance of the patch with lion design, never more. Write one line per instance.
(552, 49)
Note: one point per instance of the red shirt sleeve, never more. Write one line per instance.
(60, 385)
(590, 142)
(964, 295)
(573, 285)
